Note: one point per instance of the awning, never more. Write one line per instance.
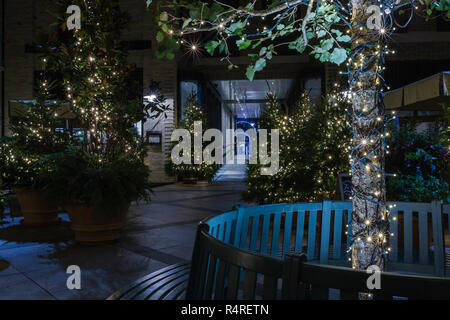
(17, 109)
(426, 94)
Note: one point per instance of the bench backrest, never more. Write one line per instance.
(321, 282)
(320, 231)
(221, 271)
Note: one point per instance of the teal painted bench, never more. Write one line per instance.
(220, 271)
(317, 230)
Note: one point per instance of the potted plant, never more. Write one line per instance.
(34, 136)
(102, 170)
(97, 193)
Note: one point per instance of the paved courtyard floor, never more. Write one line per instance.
(156, 235)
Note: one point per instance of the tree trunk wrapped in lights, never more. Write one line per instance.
(369, 215)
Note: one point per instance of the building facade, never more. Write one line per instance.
(421, 50)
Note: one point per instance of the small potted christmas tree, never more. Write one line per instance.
(191, 172)
(35, 136)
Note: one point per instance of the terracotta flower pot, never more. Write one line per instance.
(94, 228)
(190, 180)
(36, 209)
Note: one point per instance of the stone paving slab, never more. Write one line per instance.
(156, 234)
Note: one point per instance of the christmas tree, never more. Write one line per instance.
(103, 164)
(37, 133)
(314, 144)
(192, 113)
(96, 78)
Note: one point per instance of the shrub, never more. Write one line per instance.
(107, 185)
(314, 144)
(421, 166)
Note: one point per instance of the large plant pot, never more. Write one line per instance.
(190, 180)
(36, 209)
(95, 228)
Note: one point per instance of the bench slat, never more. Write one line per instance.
(287, 233)
(270, 288)
(249, 285)
(300, 231)
(312, 234)
(233, 282)
(132, 290)
(161, 288)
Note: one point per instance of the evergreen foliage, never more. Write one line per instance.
(192, 113)
(314, 144)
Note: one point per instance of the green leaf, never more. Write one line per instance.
(344, 38)
(243, 44)
(160, 53)
(263, 51)
(170, 55)
(194, 14)
(236, 26)
(222, 48)
(160, 36)
(164, 17)
(186, 22)
(338, 56)
(149, 2)
(257, 44)
(250, 73)
(260, 64)
(336, 32)
(321, 33)
(211, 47)
(326, 44)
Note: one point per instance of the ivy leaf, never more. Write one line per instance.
(326, 44)
(236, 26)
(222, 48)
(211, 47)
(344, 38)
(338, 56)
(250, 73)
(321, 34)
(260, 64)
(263, 51)
(336, 32)
(243, 44)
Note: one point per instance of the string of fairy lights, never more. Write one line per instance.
(366, 59)
(89, 88)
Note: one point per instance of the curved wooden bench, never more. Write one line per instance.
(224, 272)
(165, 284)
(272, 231)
